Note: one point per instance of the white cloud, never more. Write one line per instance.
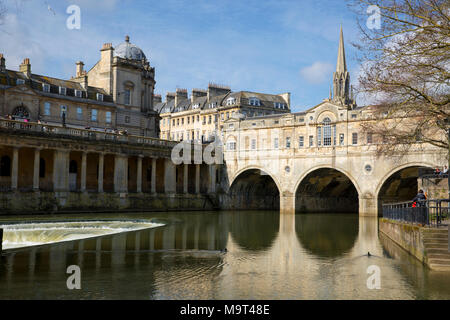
(317, 73)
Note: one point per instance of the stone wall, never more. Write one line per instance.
(435, 188)
(54, 202)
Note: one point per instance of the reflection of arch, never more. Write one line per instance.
(327, 235)
(5, 166)
(325, 189)
(246, 229)
(21, 112)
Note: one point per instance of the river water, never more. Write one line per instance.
(267, 256)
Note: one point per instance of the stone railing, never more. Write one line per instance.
(89, 134)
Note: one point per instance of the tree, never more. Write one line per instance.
(405, 70)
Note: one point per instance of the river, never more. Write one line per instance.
(221, 255)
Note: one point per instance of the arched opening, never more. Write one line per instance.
(401, 185)
(326, 190)
(254, 190)
(21, 113)
(5, 166)
(73, 170)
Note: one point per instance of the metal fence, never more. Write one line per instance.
(428, 212)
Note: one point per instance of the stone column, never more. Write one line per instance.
(212, 178)
(83, 171)
(101, 164)
(170, 182)
(61, 160)
(15, 169)
(197, 179)
(287, 202)
(139, 174)
(368, 206)
(185, 178)
(153, 179)
(36, 167)
(121, 174)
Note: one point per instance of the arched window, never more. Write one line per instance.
(327, 132)
(5, 166)
(73, 167)
(21, 112)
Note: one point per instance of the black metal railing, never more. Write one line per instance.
(427, 212)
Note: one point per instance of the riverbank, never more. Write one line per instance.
(428, 245)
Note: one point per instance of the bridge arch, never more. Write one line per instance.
(253, 187)
(325, 188)
(400, 183)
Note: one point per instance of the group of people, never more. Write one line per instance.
(440, 172)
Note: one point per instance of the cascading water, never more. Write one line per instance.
(30, 234)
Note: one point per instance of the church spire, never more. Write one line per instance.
(341, 65)
(341, 78)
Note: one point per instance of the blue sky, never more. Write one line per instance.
(272, 46)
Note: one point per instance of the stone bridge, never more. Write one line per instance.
(317, 161)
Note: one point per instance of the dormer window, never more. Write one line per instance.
(45, 87)
(20, 81)
(254, 102)
(196, 106)
(78, 94)
(99, 97)
(231, 101)
(62, 91)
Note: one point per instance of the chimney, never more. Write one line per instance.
(25, 67)
(180, 94)
(157, 99)
(217, 90)
(196, 93)
(80, 68)
(170, 96)
(2, 63)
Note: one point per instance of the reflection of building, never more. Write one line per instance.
(203, 114)
(116, 93)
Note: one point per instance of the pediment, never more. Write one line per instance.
(21, 89)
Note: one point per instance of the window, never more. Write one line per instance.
(232, 145)
(301, 142)
(341, 139)
(63, 111)
(128, 119)
(99, 97)
(78, 94)
(253, 144)
(20, 81)
(353, 115)
(204, 120)
(275, 143)
(369, 138)
(198, 118)
(94, 115)
(334, 134)
(79, 113)
(182, 121)
(326, 132)
(228, 115)
(311, 141)
(178, 122)
(209, 119)
(301, 120)
(45, 87)
(173, 122)
(62, 90)
(188, 120)
(47, 108)
(288, 142)
(231, 101)
(354, 138)
(254, 102)
(221, 116)
(127, 97)
(5, 166)
(108, 116)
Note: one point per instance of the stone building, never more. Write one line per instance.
(115, 94)
(202, 115)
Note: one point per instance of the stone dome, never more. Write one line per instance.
(127, 50)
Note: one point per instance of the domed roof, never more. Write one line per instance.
(127, 50)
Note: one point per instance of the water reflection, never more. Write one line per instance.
(327, 235)
(269, 256)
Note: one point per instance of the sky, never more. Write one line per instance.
(269, 46)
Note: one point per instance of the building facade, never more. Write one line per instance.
(115, 94)
(202, 115)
